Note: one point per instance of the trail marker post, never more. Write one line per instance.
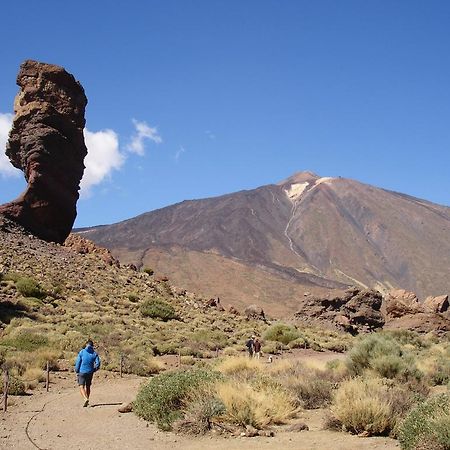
(5, 390)
(47, 377)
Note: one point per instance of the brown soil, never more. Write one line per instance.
(57, 419)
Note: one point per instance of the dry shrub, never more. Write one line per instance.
(283, 367)
(230, 351)
(256, 406)
(201, 408)
(32, 376)
(366, 405)
(142, 365)
(239, 366)
(312, 388)
(187, 360)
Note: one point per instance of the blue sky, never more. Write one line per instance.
(192, 99)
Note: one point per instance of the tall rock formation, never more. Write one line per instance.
(47, 143)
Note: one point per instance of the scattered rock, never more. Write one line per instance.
(46, 142)
(300, 426)
(250, 431)
(126, 408)
(84, 247)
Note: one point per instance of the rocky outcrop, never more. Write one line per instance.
(254, 312)
(46, 142)
(357, 311)
(404, 311)
(366, 310)
(86, 247)
(399, 302)
(436, 304)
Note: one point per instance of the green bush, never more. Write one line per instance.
(158, 309)
(385, 356)
(26, 341)
(161, 398)
(133, 298)
(30, 288)
(440, 373)
(280, 332)
(427, 426)
(148, 271)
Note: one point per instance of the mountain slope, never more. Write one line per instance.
(309, 233)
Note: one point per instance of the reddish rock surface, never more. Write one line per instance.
(357, 311)
(399, 302)
(436, 304)
(85, 247)
(46, 142)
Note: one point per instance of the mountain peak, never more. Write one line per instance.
(300, 177)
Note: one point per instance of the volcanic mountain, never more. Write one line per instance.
(307, 235)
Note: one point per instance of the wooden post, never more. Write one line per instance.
(121, 365)
(179, 358)
(47, 377)
(217, 352)
(5, 390)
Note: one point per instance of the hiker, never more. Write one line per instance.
(86, 364)
(250, 346)
(256, 348)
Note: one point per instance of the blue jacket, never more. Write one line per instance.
(87, 361)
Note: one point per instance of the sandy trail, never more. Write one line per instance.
(56, 420)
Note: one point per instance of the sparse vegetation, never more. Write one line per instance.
(427, 426)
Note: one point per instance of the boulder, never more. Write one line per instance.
(46, 142)
(363, 309)
(437, 304)
(399, 302)
(254, 312)
(126, 408)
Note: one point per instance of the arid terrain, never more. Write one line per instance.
(57, 420)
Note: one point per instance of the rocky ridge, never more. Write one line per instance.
(368, 310)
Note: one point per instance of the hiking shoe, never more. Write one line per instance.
(86, 403)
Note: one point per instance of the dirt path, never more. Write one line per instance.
(56, 420)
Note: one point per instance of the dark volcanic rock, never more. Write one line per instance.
(363, 309)
(356, 311)
(47, 144)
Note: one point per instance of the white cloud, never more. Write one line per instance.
(103, 157)
(180, 151)
(6, 168)
(143, 131)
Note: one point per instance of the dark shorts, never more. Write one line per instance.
(85, 379)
